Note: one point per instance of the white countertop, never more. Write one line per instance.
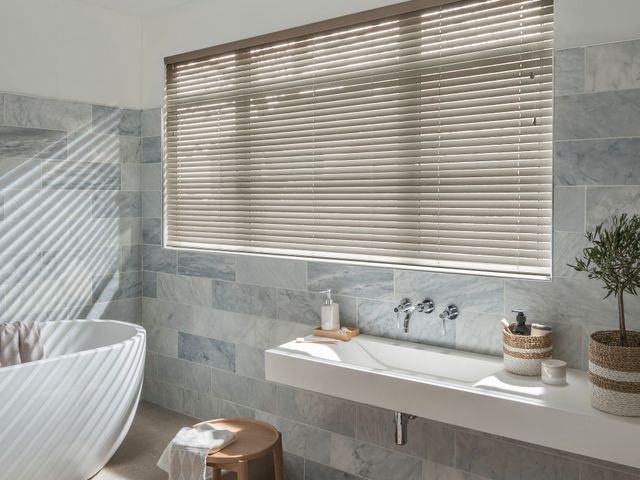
(459, 388)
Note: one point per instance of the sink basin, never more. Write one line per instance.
(464, 389)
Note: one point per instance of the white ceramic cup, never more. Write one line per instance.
(554, 372)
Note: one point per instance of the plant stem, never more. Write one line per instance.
(623, 329)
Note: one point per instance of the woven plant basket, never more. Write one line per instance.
(523, 354)
(614, 373)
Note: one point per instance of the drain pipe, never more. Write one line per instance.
(401, 421)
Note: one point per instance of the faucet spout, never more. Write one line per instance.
(407, 319)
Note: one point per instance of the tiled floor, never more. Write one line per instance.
(150, 433)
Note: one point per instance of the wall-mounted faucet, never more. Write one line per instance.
(450, 313)
(406, 307)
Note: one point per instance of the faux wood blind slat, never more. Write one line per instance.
(420, 141)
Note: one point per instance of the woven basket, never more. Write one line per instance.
(614, 373)
(523, 354)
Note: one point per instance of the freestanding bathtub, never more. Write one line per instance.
(62, 418)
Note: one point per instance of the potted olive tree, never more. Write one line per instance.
(614, 355)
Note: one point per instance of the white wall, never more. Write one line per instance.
(204, 23)
(68, 50)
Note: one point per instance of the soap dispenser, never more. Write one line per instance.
(329, 313)
(520, 327)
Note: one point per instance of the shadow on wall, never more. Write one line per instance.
(70, 233)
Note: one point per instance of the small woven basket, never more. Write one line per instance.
(614, 373)
(523, 354)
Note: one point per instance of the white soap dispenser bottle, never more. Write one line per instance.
(329, 313)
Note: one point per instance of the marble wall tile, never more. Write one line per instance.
(568, 343)
(151, 122)
(119, 121)
(117, 286)
(162, 340)
(2, 116)
(372, 462)
(84, 260)
(271, 333)
(32, 143)
(236, 297)
(129, 149)
(172, 397)
(498, 460)
(206, 264)
(597, 162)
(130, 258)
(130, 176)
(127, 310)
(207, 351)
(75, 176)
(152, 390)
(86, 146)
(158, 259)
(597, 115)
(436, 471)
(468, 292)
(612, 66)
(303, 440)
(24, 299)
(603, 202)
(186, 290)
(304, 307)
(317, 410)
(151, 177)
(589, 471)
(21, 267)
(272, 272)
(151, 150)
(45, 113)
(479, 333)
(184, 374)
(116, 204)
(293, 467)
(569, 204)
(151, 231)
(427, 440)
(317, 471)
(245, 391)
(150, 364)
(20, 174)
(355, 281)
(232, 327)
(151, 204)
(565, 300)
(149, 286)
(228, 409)
(167, 314)
(129, 230)
(249, 361)
(200, 405)
(566, 247)
(568, 71)
(378, 318)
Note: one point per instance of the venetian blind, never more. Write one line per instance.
(421, 140)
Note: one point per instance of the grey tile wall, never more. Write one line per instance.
(210, 317)
(71, 211)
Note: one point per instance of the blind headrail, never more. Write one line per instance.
(350, 20)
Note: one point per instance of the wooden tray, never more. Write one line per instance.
(337, 334)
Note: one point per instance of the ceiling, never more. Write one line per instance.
(134, 7)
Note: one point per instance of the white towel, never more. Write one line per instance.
(9, 344)
(20, 343)
(185, 458)
(30, 343)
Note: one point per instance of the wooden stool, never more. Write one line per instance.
(255, 439)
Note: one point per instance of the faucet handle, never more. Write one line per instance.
(426, 306)
(449, 313)
(403, 306)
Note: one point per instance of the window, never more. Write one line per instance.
(405, 136)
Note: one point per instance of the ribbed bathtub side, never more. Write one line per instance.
(64, 417)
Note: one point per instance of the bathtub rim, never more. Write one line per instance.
(139, 331)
